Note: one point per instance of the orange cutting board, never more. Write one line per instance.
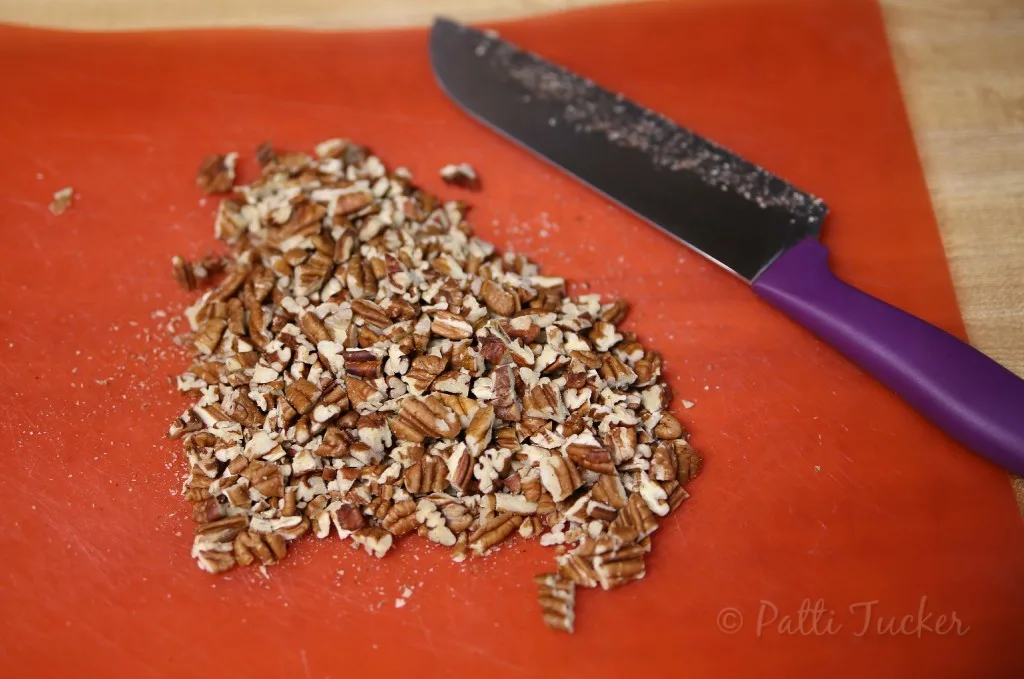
(819, 483)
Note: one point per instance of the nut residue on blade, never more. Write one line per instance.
(591, 109)
(364, 366)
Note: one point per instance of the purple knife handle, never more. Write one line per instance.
(961, 390)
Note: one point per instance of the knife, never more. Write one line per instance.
(746, 220)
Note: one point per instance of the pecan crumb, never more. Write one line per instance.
(62, 200)
(462, 175)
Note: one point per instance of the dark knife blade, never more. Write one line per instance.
(662, 172)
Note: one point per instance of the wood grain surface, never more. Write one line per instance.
(959, 63)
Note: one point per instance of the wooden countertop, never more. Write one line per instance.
(959, 66)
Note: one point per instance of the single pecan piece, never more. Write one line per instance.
(462, 175)
(494, 531)
(376, 541)
(302, 395)
(559, 476)
(362, 363)
(504, 399)
(371, 313)
(451, 326)
(545, 401)
(634, 521)
(217, 173)
(647, 369)
(354, 201)
(478, 433)
(460, 469)
(265, 477)
(311, 275)
(498, 299)
(616, 374)
(423, 417)
(615, 312)
(423, 371)
(664, 462)
(577, 568)
(676, 494)
(428, 475)
(313, 328)
(620, 567)
(267, 549)
(609, 491)
(246, 412)
(334, 444)
(208, 336)
(348, 517)
(589, 454)
(363, 395)
(557, 597)
(688, 462)
(668, 427)
(401, 518)
(622, 441)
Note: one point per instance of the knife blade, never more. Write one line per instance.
(678, 181)
(737, 214)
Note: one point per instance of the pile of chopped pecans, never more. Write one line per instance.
(366, 366)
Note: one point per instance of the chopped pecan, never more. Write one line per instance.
(664, 463)
(616, 373)
(302, 395)
(505, 399)
(557, 597)
(544, 401)
(647, 369)
(623, 443)
(371, 313)
(423, 371)
(208, 336)
(634, 521)
(494, 531)
(362, 363)
(497, 299)
(311, 275)
(365, 363)
(217, 173)
(348, 518)
(423, 417)
(462, 175)
(688, 462)
(362, 394)
(559, 476)
(401, 518)
(314, 328)
(668, 427)
(376, 541)
(451, 326)
(622, 566)
(478, 433)
(589, 454)
(265, 477)
(429, 475)
(609, 491)
(266, 548)
(62, 200)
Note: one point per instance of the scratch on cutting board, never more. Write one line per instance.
(34, 205)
